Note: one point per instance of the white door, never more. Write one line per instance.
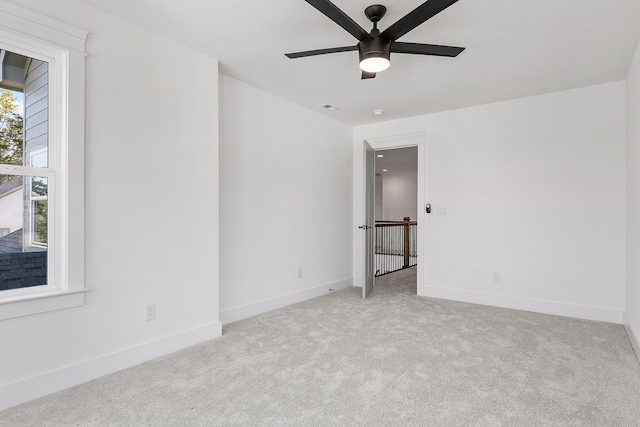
(368, 227)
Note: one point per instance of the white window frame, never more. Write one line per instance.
(32, 217)
(34, 221)
(63, 46)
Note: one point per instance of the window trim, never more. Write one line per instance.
(50, 181)
(32, 34)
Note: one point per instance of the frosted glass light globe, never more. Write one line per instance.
(374, 64)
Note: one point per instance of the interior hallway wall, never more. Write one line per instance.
(379, 202)
(399, 193)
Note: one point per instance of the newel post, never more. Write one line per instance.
(406, 241)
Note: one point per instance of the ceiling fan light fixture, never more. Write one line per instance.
(374, 64)
(375, 54)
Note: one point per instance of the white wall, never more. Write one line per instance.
(632, 320)
(151, 208)
(399, 195)
(285, 202)
(534, 189)
(12, 210)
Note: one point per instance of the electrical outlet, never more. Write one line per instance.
(149, 312)
(299, 273)
(496, 277)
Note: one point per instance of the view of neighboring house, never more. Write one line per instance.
(23, 199)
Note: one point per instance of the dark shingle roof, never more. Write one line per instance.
(11, 243)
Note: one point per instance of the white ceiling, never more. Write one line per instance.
(398, 159)
(514, 48)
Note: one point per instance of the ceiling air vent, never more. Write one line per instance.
(328, 107)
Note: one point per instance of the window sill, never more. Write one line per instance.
(40, 303)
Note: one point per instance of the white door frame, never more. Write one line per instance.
(401, 141)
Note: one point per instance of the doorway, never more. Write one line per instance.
(396, 209)
(363, 249)
(396, 212)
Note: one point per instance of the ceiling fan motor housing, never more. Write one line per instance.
(377, 47)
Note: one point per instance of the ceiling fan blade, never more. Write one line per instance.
(367, 75)
(320, 52)
(417, 16)
(426, 49)
(332, 12)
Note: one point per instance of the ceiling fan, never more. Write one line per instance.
(375, 47)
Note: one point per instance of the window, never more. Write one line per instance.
(41, 163)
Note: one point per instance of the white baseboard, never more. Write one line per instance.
(50, 382)
(253, 309)
(537, 306)
(631, 333)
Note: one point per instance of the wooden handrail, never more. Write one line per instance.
(398, 224)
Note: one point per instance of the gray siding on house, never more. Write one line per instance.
(36, 111)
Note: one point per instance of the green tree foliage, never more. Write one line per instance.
(40, 211)
(11, 125)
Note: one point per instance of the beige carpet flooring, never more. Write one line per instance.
(394, 359)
